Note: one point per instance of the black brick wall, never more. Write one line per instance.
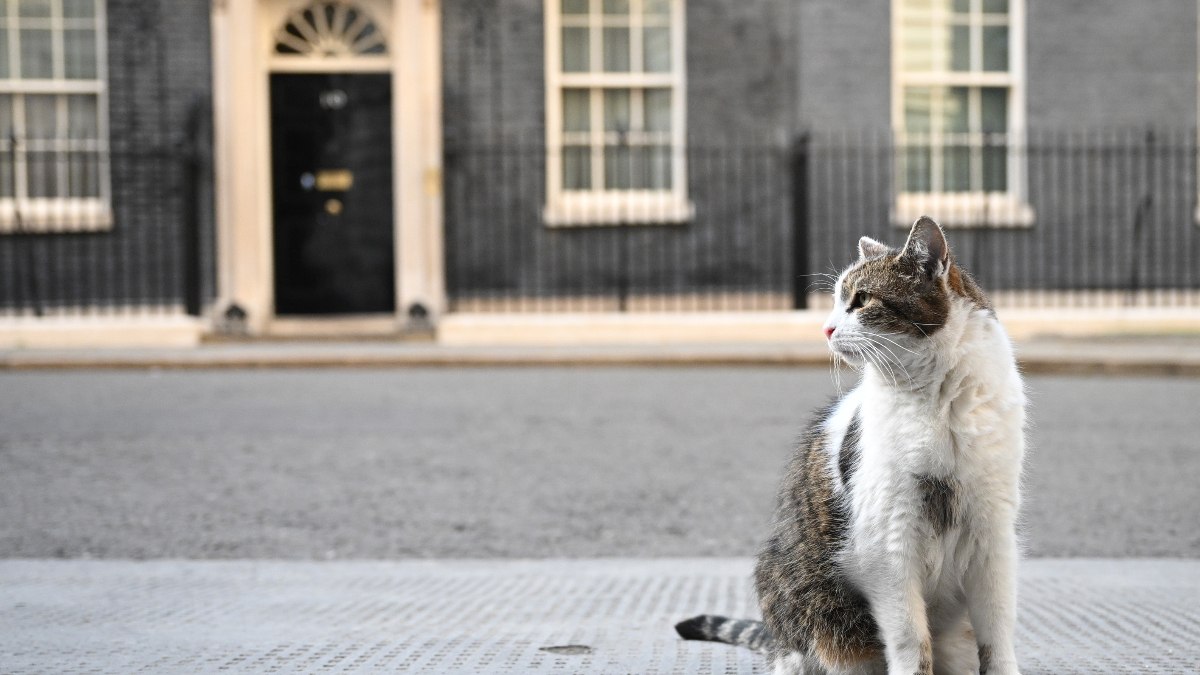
(159, 63)
(741, 78)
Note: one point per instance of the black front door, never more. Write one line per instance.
(331, 138)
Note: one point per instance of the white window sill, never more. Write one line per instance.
(642, 207)
(40, 216)
(963, 209)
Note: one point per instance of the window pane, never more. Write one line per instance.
(6, 158)
(917, 169)
(963, 6)
(574, 6)
(6, 117)
(657, 112)
(994, 112)
(577, 167)
(83, 174)
(576, 44)
(616, 109)
(659, 7)
(637, 167)
(616, 50)
(79, 47)
(37, 54)
(954, 110)
(41, 172)
(41, 119)
(658, 167)
(618, 167)
(616, 6)
(86, 9)
(82, 117)
(995, 168)
(995, 6)
(960, 48)
(956, 168)
(917, 109)
(33, 8)
(5, 70)
(577, 110)
(656, 48)
(6, 174)
(995, 48)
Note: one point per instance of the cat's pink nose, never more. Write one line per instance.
(828, 333)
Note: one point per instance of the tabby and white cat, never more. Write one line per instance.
(894, 548)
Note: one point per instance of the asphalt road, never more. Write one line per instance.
(519, 462)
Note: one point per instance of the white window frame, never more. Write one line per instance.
(21, 213)
(974, 208)
(614, 207)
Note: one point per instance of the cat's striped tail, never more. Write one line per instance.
(740, 632)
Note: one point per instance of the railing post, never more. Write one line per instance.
(798, 168)
(28, 243)
(190, 248)
(623, 228)
(1139, 221)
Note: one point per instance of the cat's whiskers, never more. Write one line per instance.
(872, 354)
(835, 371)
(885, 337)
(880, 356)
(894, 359)
(824, 282)
(882, 362)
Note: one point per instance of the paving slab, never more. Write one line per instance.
(516, 616)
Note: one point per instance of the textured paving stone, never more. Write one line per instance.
(593, 616)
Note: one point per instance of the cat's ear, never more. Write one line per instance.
(927, 246)
(869, 248)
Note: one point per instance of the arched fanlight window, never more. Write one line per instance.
(329, 29)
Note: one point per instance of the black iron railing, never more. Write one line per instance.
(1050, 218)
(1085, 219)
(101, 232)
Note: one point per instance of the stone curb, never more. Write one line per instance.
(1060, 359)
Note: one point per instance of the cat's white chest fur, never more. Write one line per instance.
(960, 428)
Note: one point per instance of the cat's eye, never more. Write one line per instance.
(860, 298)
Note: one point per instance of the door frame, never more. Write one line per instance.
(242, 45)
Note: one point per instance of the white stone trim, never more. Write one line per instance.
(170, 329)
(962, 209)
(66, 214)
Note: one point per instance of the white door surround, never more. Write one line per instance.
(244, 55)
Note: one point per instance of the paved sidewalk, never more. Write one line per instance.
(1106, 617)
(1150, 355)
